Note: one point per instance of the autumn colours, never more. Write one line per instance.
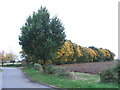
(73, 53)
(43, 41)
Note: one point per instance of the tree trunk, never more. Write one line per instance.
(44, 65)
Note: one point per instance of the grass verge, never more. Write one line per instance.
(84, 80)
(11, 65)
(1, 70)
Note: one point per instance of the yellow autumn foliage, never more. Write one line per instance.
(72, 53)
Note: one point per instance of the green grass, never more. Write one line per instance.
(1, 70)
(11, 65)
(87, 80)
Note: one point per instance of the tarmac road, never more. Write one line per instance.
(14, 78)
(0, 80)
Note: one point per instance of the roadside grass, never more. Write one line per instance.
(1, 70)
(11, 65)
(83, 80)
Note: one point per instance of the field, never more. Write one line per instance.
(91, 68)
(82, 80)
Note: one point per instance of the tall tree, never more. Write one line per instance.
(41, 36)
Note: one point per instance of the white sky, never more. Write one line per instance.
(87, 22)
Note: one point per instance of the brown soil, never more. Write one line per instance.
(92, 68)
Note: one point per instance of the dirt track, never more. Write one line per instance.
(92, 68)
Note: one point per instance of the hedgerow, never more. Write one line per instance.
(73, 53)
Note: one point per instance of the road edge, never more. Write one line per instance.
(31, 80)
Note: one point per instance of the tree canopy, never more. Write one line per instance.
(73, 53)
(42, 36)
(43, 41)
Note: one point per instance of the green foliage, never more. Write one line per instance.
(12, 65)
(72, 53)
(26, 58)
(60, 71)
(43, 41)
(30, 64)
(117, 66)
(1, 70)
(117, 69)
(85, 81)
(38, 66)
(108, 76)
(41, 36)
(111, 75)
(50, 69)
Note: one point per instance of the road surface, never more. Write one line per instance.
(0, 80)
(14, 78)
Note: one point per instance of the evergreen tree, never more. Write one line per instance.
(41, 36)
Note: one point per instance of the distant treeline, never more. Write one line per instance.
(73, 53)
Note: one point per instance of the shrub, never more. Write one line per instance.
(111, 75)
(117, 69)
(50, 69)
(38, 67)
(60, 71)
(108, 75)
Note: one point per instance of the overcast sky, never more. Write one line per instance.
(87, 22)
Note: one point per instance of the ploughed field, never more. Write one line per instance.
(91, 68)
